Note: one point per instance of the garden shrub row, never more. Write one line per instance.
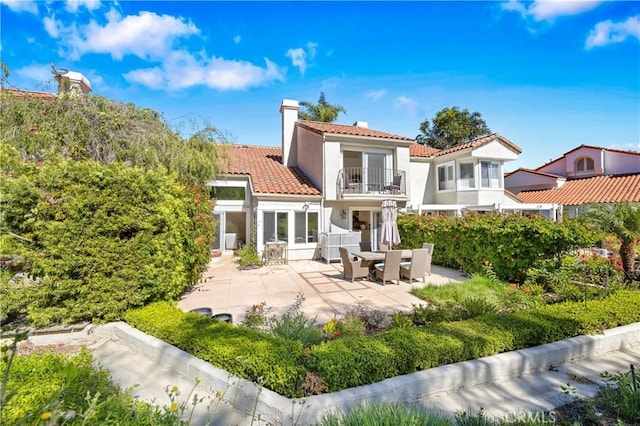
(510, 244)
(50, 388)
(358, 360)
(349, 362)
(245, 352)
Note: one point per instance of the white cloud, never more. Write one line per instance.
(300, 57)
(183, 70)
(608, 32)
(146, 35)
(376, 94)
(74, 5)
(548, 10)
(36, 73)
(21, 6)
(406, 103)
(237, 39)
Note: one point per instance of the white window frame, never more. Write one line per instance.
(450, 177)
(467, 183)
(306, 226)
(275, 214)
(494, 182)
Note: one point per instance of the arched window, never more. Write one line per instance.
(584, 164)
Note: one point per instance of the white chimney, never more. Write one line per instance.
(72, 82)
(362, 124)
(289, 111)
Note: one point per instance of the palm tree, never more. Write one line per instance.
(322, 111)
(623, 221)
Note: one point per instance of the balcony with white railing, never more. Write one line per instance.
(371, 181)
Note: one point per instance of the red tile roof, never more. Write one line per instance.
(24, 93)
(596, 189)
(268, 175)
(534, 172)
(420, 150)
(475, 143)
(343, 129)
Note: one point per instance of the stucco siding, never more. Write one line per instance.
(310, 156)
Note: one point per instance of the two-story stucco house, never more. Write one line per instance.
(326, 183)
(586, 174)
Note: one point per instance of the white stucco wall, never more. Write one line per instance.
(619, 163)
(310, 155)
(521, 181)
(494, 150)
(421, 186)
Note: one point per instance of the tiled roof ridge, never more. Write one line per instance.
(36, 93)
(534, 171)
(481, 140)
(346, 129)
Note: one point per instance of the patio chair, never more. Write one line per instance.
(419, 266)
(395, 185)
(352, 268)
(390, 269)
(428, 246)
(365, 246)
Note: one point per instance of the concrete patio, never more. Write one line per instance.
(227, 289)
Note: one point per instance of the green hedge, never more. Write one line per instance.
(510, 244)
(351, 362)
(98, 240)
(245, 352)
(55, 383)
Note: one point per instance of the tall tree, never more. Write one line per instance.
(322, 111)
(623, 221)
(450, 127)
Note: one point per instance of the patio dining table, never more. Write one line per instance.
(374, 256)
(370, 258)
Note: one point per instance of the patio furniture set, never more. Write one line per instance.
(387, 265)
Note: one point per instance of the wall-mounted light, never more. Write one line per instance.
(343, 214)
(305, 206)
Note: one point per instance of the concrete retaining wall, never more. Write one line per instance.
(276, 409)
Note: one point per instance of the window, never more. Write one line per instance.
(276, 226)
(467, 180)
(306, 227)
(227, 193)
(445, 177)
(490, 174)
(584, 164)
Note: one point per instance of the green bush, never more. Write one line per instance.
(99, 240)
(248, 256)
(58, 384)
(385, 414)
(247, 353)
(352, 361)
(510, 244)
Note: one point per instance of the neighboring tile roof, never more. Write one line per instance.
(420, 150)
(596, 189)
(24, 93)
(479, 142)
(343, 129)
(535, 172)
(268, 174)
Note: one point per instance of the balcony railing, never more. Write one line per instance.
(359, 180)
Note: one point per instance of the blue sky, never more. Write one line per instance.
(547, 75)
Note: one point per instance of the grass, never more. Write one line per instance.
(491, 291)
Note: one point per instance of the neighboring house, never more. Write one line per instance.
(328, 179)
(586, 174)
